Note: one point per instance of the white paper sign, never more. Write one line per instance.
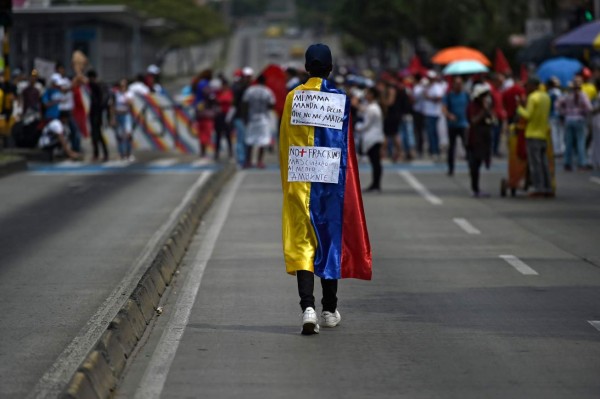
(316, 108)
(314, 164)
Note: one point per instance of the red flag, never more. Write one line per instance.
(501, 64)
(275, 80)
(416, 67)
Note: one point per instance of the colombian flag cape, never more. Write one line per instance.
(324, 228)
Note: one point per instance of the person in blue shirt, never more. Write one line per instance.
(455, 106)
(52, 98)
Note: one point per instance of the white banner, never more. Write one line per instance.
(316, 108)
(314, 164)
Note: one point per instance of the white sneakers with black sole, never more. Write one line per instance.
(330, 319)
(310, 323)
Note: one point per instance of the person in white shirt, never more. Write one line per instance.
(54, 136)
(432, 109)
(372, 137)
(258, 101)
(419, 118)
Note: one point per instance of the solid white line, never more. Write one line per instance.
(595, 324)
(58, 375)
(155, 376)
(164, 162)
(116, 164)
(420, 188)
(202, 162)
(519, 265)
(466, 226)
(595, 179)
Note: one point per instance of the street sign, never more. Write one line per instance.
(537, 29)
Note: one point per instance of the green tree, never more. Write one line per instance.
(193, 23)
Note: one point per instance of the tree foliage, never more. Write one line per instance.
(193, 23)
(484, 24)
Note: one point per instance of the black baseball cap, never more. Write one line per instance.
(318, 56)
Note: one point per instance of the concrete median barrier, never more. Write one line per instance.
(97, 376)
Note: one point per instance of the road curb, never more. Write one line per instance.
(10, 166)
(97, 376)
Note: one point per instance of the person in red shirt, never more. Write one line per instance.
(223, 118)
(509, 99)
(500, 125)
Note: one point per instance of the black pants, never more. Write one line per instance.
(374, 154)
(306, 286)
(474, 167)
(419, 124)
(453, 134)
(97, 137)
(222, 128)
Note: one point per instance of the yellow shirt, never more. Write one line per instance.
(590, 90)
(537, 114)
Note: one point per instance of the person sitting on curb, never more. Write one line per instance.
(54, 136)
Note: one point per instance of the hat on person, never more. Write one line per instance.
(431, 74)
(318, 55)
(56, 79)
(153, 69)
(479, 89)
(247, 71)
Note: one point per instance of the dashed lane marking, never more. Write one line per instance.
(466, 226)
(156, 374)
(595, 324)
(595, 179)
(420, 188)
(518, 264)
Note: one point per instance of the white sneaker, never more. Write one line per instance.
(331, 319)
(309, 322)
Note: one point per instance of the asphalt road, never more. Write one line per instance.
(490, 298)
(70, 235)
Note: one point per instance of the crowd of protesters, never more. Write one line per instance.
(45, 115)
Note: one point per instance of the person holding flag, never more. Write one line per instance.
(323, 222)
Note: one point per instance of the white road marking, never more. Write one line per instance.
(156, 374)
(466, 226)
(420, 188)
(116, 164)
(68, 164)
(201, 162)
(595, 324)
(519, 265)
(164, 162)
(59, 374)
(595, 179)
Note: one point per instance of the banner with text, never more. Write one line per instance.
(316, 108)
(314, 164)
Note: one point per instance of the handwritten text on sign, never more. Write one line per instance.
(316, 108)
(314, 164)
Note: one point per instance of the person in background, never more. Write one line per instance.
(407, 137)
(152, 79)
(391, 121)
(418, 115)
(595, 161)
(122, 121)
(574, 107)
(432, 109)
(52, 98)
(480, 114)
(556, 124)
(205, 106)
(96, 110)
(54, 136)
(293, 78)
(66, 106)
(455, 107)
(537, 114)
(370, 129)
(239, 87)
(258, 101)
(500, 126)
(224, 98)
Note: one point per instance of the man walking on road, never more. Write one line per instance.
(323, 222)
(537, 113)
